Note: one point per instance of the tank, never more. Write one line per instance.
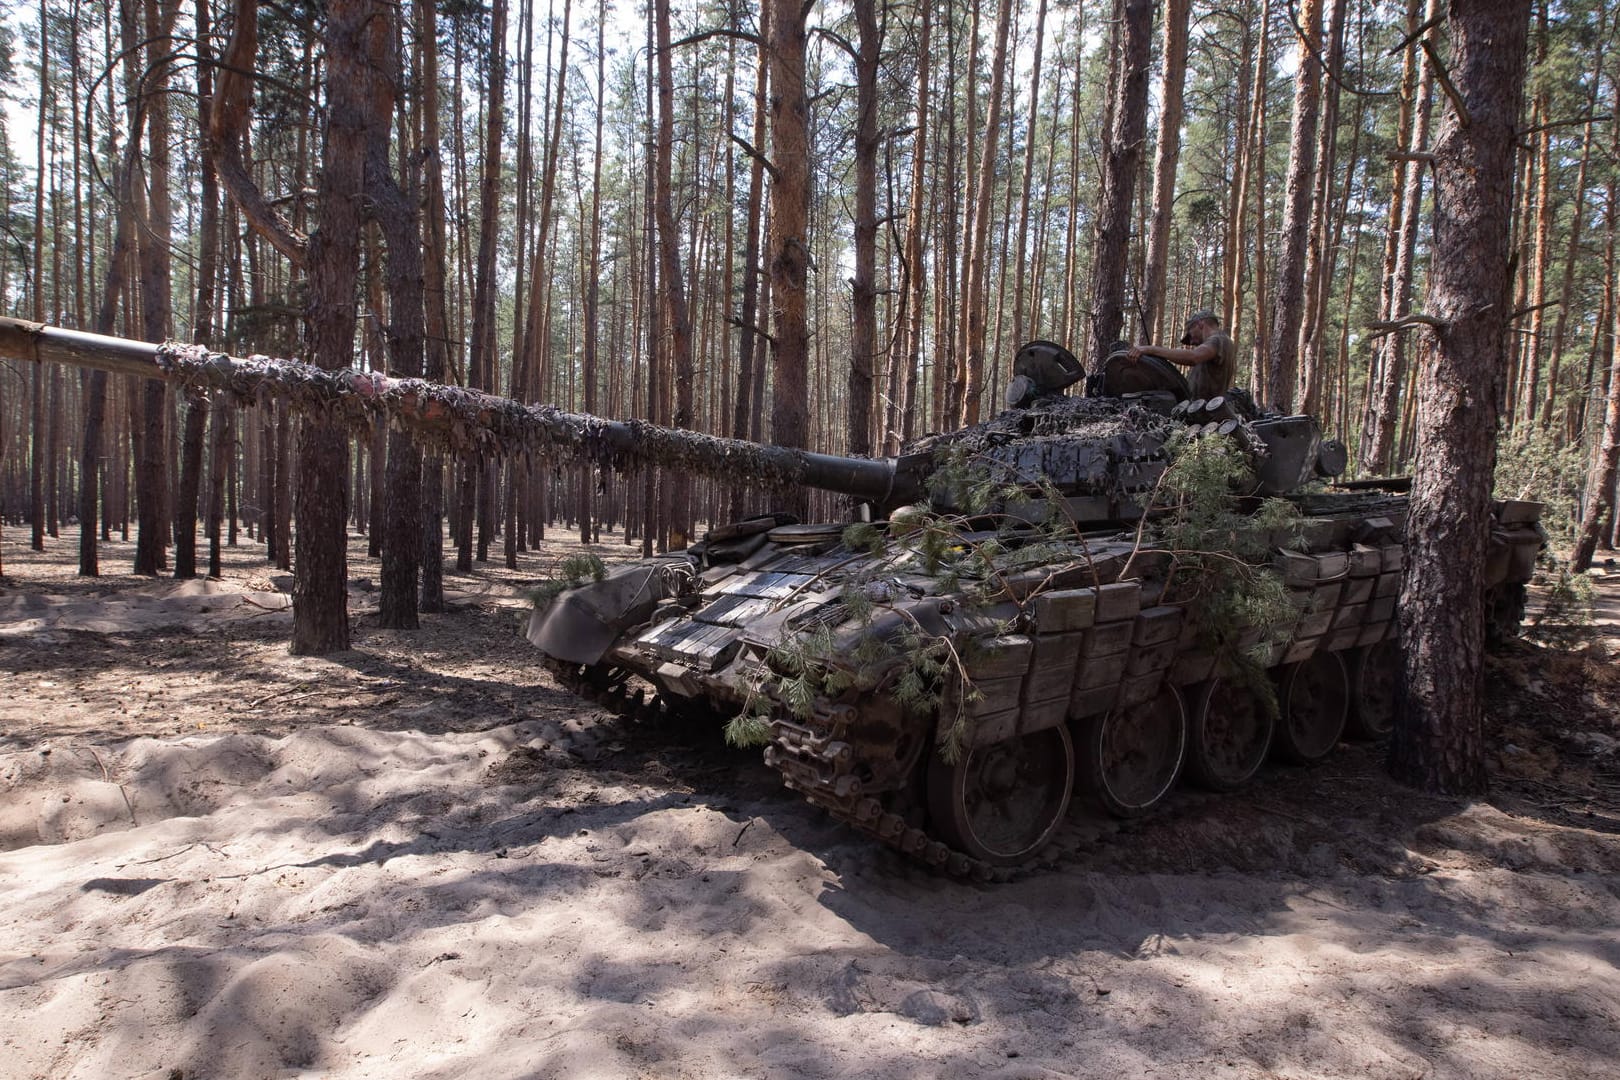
(1027, 631)
(1025, 624)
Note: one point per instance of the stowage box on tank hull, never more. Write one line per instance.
(951, 678)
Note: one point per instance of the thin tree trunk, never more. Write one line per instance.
(592, 278)
(1166, 156)
(480, 363)
(1600, 501)
(36, 434)
(1319, 255)
(968, 389)
(394, 206)
(677, 318)
(1577, 220)
(1282, 352)
(750, 353)
(1026, 263)
(189, 489)
(903, 387)
(863, 286)
(435, 318)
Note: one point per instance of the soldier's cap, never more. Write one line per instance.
(1201, 315)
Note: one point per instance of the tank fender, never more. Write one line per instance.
(581, 624)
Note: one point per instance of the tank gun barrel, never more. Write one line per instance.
(461, 418)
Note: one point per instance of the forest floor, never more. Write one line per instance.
(422, 858)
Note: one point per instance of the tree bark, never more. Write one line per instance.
(790, 224)
(677, 317)
(190, 488)
(1605, 466)
(1282, 352)
(903, 384)
(435, 317)
(395, 208)
(1122, 159)
(156, 282)
(1438, 742)
(977, 285)
(480, 363)
(1600, 504)
(320, 598)
(1388, 375)
(863, 286)
(750, 351)
(1165, 158)
(591, 291)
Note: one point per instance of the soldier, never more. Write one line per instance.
(1211, 355)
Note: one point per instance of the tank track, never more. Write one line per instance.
(796, 749)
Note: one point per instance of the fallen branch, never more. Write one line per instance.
(107, 776)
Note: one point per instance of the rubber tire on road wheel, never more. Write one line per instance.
(1313, 697)
(1002, 803)
(1375, 672)
(1130, 759)
(1228, 734)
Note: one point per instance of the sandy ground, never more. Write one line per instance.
(422, 858)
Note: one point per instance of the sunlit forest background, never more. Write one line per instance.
(955, 180)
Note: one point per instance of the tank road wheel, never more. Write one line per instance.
(1374, 673)
(1131, 758)
(1227, 738)
(1313, 695)
(1001, 803)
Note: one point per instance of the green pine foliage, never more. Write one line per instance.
(1239, 607)
(572, 572)
(1533, 463)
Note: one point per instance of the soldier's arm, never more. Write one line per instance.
(1185, 357)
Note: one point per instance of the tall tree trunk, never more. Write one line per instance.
(1600, 502)
(1388, 369)
(790, 224)
(1541, 250)
(36, 433)
(863, 286)
(976, 292)
(156, 291)
(481, 361)
(95, 394)
(320, 600)
(435, 317)
(1577, 220)
(750, 353)
(1165, 158)
(902, 386)
(191, 456)
(1319, 254)
(395, 208)
(592, 265)
(677, 318)
(1122, 159)
(1605, 466)
(1282, 352)
(1438, 741)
